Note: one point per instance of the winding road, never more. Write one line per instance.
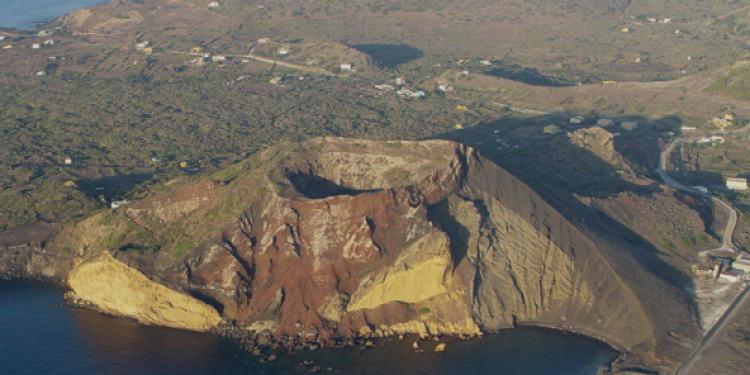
(726, 244)
(726, 238)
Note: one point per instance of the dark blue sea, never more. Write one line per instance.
(29, 14)
(39, 335)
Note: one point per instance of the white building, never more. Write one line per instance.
(68, 161)
(218, 58)
(143, 44)
(36, 46)
(577, 120)
(731, 276)
(283, 51)
(737, 183)
(605, 122)
(346, 67)
(385, 87)
(41, 73)
(742, 263)
(213, 4)
(400, 81)
(116, 204)
(630, 125)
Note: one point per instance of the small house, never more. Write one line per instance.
(385, 87)
(604, 122)
(742, 263)
(486, 62)
(703, 272)
(729, 116)
(2, 38)
(196, 50)
(551, 129)
(417, 94)
(462, 107)
(49, 42)
(142, 45)
(400, 81)
(731, 276)
(116, 204)
(41, 73)
(283, 51)
(218, 58)
(737, 183)
(36, 46)
(688, 128)
(404, 92)
(577, 120)
(629, 125)
(625, 30)
(275, 80)
(213, 4)
(346, 67)
(446, 88)
(68, 160)
(264, 40)
(721, 122)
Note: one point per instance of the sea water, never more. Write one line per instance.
(29, 14)
(40, 335)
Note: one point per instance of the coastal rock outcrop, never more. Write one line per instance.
(340, 237)
(112, 287)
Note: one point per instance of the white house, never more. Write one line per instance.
(68, 160)
(218, 58)
(400, 81)
(688, 128)
(49, 42)
(446, 88)
(116, 204)
(143, 45)
(385, 87)
(577, 120)
(2, 38)
(737, 183)
(213, 4)
(417, 94)
(742, 263)
(731, 276)
(36, 46)
(605, 122)
(41, 73)
(346, 67)
(630, 125)
(283, 51)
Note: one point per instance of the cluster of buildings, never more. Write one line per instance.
(724, 269)
(603, 122)
(402, 92)
(723, 122)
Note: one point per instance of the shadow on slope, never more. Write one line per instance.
(389, 55)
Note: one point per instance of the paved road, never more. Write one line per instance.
(288, 65)
(726, 244)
